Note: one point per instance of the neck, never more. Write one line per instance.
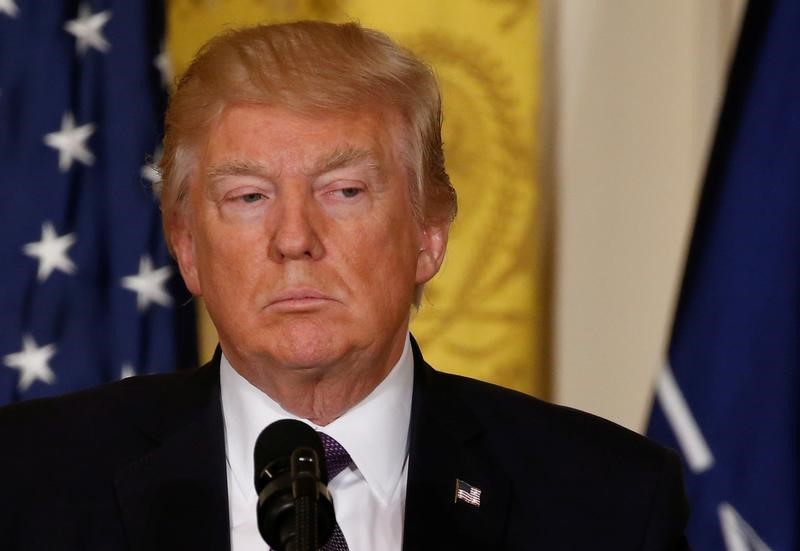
(321, 394)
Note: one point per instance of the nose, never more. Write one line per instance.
(295, 229)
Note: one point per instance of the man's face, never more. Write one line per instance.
(300, 236)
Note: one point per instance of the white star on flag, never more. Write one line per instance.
(164, 65)
(70, 142)
(32, 362)
(51, 252)
(148, 284)
(127, 371)
(9, 8)
(149, 171)
(88, 29)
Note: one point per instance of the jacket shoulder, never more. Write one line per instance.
(569, 467)
(549, 425)
(97, 403)
(104, 424)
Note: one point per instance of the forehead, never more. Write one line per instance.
(283, 140)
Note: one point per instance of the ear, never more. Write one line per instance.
(181, 239)
(433, 244)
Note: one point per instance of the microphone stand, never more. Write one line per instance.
(305, 474)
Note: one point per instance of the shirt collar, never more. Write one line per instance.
(374, 432)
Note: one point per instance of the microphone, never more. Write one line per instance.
(295, 510)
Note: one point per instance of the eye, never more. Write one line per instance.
(349, 192)
(344, 192)
(251, 197)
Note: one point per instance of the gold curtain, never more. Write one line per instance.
(482, 315)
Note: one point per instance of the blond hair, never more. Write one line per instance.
(309, 67)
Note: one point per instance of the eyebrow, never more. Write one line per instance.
(339, 158)
(237, 168)
(349, 156)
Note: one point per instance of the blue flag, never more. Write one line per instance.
(88, 293)
(728, 398)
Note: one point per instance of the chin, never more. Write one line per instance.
(309, 346)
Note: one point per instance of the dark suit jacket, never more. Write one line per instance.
(140, 465)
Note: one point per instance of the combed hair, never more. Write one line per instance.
(309, 67)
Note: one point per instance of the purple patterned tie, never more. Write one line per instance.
(336, 460)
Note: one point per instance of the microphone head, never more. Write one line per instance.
(290, 479)
(278, 441)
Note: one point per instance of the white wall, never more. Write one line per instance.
(631, 95)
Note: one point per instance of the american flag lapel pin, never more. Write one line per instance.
(467, 493)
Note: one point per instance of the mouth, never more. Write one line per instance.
(299, 299)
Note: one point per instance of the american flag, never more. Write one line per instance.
(89, 293)
(467, 493)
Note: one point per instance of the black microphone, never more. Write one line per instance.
(295, 509)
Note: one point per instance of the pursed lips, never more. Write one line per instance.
(299, 297)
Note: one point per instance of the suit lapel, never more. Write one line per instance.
(175, 496)
(448, 442)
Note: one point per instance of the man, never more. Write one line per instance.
(305, 198)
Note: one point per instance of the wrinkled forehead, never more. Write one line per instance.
(247, 137)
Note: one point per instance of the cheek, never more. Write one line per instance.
(383, 260)
(226, 261)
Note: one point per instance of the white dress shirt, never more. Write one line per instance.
(369, 498)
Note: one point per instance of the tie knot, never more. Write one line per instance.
(336, 457)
